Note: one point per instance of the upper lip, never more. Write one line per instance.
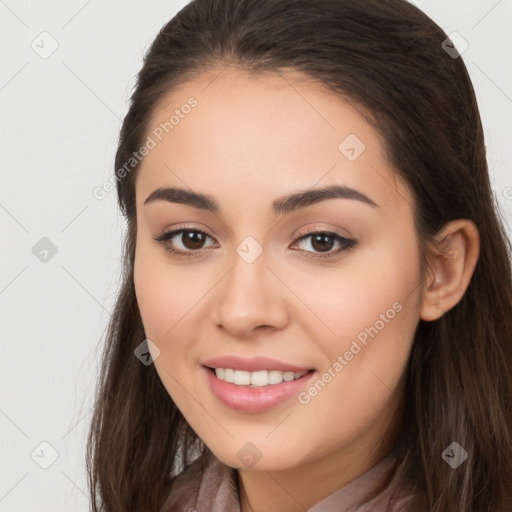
(252, 364)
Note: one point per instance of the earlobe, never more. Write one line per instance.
(453, 261)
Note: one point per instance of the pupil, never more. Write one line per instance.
(323, 239)
(193, 239)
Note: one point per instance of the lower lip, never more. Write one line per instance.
(257, 399)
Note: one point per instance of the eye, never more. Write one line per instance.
(323, 242)
(192, 241)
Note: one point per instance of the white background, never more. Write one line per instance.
(60, 119)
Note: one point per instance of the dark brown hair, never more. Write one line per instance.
(387, 58)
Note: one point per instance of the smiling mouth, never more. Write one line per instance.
(261, 378)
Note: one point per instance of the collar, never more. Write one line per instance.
(207, 484)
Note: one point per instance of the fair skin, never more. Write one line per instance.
(249, 142)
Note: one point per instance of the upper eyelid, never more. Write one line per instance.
(307, 232)
(173, 232)
(166, 235)
(346, 244)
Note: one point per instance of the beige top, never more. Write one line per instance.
(209, 485)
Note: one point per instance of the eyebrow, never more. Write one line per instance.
(280, 206)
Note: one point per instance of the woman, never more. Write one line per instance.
(316, 305)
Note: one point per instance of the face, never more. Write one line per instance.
(327, 284)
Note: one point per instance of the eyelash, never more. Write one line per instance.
(346, 243)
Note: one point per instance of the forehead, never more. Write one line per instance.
(270, 133)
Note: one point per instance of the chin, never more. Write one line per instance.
(241, 459)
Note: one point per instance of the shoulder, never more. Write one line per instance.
(405, 494)
(405, 498)
(400, 491)
(205, 484)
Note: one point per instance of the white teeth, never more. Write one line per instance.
(275, 377)
(259, 378)
(242, 378)
(256, 379)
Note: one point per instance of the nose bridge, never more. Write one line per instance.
(248, 298)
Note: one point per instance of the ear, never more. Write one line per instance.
(453, 261)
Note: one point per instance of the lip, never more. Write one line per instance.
(253, 364)
(254, 399)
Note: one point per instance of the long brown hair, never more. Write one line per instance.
(387, 58)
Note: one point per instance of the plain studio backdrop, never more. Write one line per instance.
(68, 68)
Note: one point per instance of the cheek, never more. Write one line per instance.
(164, 301)
(377, 288)
(165, 293)
(169, 298)
(152, 297)
(370, 311)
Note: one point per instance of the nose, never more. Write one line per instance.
(250, 298)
